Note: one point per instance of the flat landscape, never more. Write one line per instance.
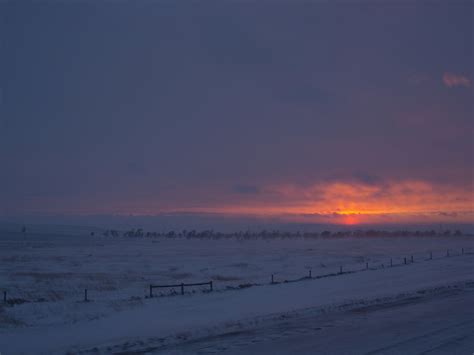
(236, 177)
(45, 275)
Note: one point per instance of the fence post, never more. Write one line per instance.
(412, 258)
(4, 296)
(391, 262)
(182, 288)
(405, 260)
(210, 285)
(151, 291)
(310, 273)
(85, 295)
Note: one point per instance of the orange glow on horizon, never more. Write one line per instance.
(355, 203)
(349, 203)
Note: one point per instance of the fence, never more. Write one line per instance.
(310, 276)
(403, 261)
(182, 286)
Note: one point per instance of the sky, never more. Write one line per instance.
(298, 111)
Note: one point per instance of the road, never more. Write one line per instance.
(439, 323)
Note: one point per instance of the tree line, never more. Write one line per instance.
(275, 234)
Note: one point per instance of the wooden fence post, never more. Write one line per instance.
(151, 291)
(310, 273)
(210, 285)
(412, 258)
(391, 262)
(405, 260)
(182, 288)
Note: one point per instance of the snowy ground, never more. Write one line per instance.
(50, 271)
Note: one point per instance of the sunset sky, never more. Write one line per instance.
(315, 112)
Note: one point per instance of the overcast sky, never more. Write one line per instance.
(313, 111)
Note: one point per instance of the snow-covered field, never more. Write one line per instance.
(45, 275)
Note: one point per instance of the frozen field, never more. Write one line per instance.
(46, 274)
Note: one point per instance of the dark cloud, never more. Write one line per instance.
(356, 177)
(303, 92)
(246, 189)
(448, 214)
(368, 179)
(136, 167)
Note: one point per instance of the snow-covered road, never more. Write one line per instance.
(437, 323)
